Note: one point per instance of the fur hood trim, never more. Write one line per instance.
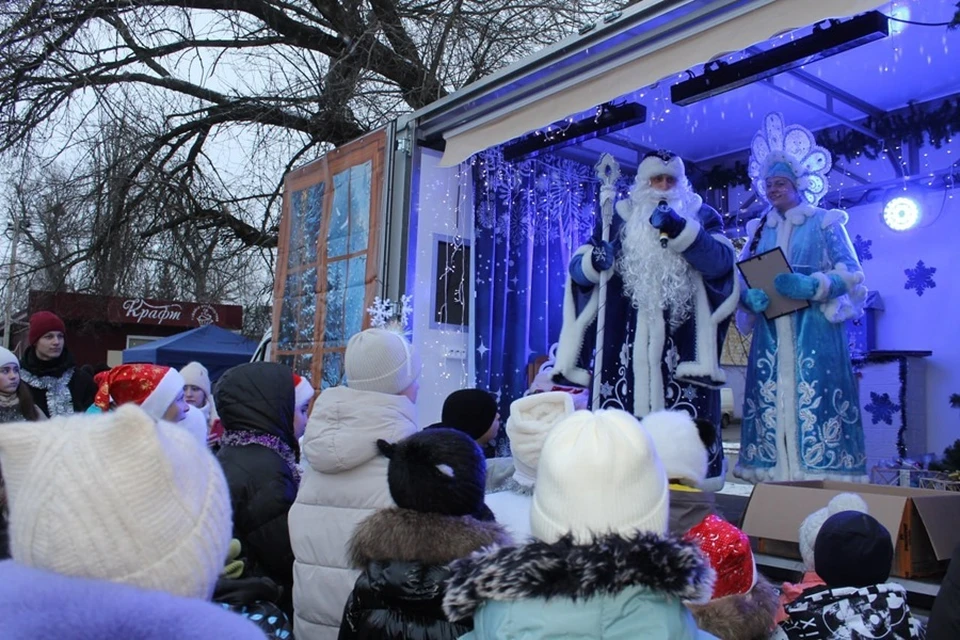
(562, 569)
(741, 617)
(404, 535)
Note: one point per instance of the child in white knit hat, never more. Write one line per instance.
(345, 478)
(807, 535)
(16, 405)
(602, 565)
(119, 528)
(531, 419)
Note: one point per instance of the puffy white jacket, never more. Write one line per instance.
(344, 481)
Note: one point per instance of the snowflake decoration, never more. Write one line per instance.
(881, 408)
(606, 390)
(390, 315)
(862, 246)
(920, 278)
(689, 393)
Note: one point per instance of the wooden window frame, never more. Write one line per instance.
(371, 148)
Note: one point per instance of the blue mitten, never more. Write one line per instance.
(667, 220)
(602, 256)
(756, 300)
(796, 286)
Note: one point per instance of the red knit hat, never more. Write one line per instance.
(42, 323)
(151, 386)
(728, 549)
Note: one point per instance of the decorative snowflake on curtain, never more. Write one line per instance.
(862, 246)
(920, 278)
(881, 408)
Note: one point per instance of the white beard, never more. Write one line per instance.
(656, 279)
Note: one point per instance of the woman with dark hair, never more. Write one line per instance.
(16, 405)
(259, 454)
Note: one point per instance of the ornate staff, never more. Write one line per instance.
(608, 171)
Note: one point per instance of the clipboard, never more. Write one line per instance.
(760, 271)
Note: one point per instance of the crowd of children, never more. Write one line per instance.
(353, 523)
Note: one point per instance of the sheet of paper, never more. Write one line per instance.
(760, 271)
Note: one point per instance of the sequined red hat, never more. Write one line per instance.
(151, 386)
(728, 549)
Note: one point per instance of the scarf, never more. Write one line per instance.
(245, 438)
(8, 400)
(59, 398)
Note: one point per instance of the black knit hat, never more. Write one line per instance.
(853, 550)
(470, 410)
(436, 471)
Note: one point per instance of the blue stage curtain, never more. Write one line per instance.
(529, 219)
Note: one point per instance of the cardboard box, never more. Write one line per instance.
(924, 524)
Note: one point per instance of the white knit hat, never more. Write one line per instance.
(195, 374)
(677, 440)
(382, 361)
(598, 473)
(811, 525)
(8, 357)
(119, 497)
(531, 419)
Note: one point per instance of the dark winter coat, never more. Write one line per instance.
(689, 508)
(404, 556)
(879, 612)
(944, 621)
(614, 588)
(741, 617)
(256, 400)
(38, 374)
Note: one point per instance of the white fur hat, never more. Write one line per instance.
(678, 443)
(117, 496)
(196, 374)
(382, 361)
(8, 357)
(531, 419)
(660, 163)
(598, 473)
(810, 526)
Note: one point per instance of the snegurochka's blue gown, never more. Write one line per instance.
(801, 410)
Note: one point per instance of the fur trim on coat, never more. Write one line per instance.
(742, 617)
(562, 569)
(403, 535)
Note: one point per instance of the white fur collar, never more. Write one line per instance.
(797, 216)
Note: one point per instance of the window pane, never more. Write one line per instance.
(360, 184)
(295, 254)
(357, 273)
(286, 359)
(289, 312)
(333, 330)
(332, 371)
(311, 222)
(303, 365)
(339, 216)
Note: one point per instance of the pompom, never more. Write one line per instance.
(847, 502)
(387, 449)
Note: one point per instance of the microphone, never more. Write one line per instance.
(664, 206)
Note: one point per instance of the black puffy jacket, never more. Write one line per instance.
(254, 399)
(944, 621)
(403, 555)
